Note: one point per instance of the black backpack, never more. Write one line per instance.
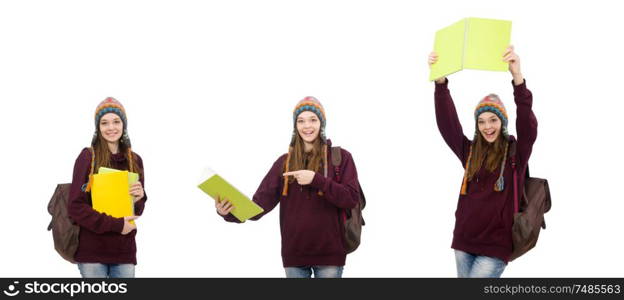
(352, 218)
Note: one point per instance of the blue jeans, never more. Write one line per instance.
(473, 266)
(96, 270)
(319, 272)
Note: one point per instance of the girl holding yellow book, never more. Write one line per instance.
(107, 247)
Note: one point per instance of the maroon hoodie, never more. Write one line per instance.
(484, 217)
(311, 225)
(100, 238)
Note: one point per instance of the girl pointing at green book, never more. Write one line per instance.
(312, 197)
(107, 246)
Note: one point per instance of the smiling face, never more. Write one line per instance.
(308, 126)
(111, 127)
(489, 126)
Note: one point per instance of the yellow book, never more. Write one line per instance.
(110, 194)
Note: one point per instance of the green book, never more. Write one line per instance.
(472, 43)
(132, 177)
(215, 186)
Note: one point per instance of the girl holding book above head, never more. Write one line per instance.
(107, 247)
(482, 238)
(312, 197)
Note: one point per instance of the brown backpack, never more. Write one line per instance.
(352, 218)
(64, 231)
(529, 209)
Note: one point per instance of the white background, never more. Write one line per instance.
(214, 84)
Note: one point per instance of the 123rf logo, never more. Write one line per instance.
(66, 288)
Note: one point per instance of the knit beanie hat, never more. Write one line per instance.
(111, 105)
(307, 104)
(491, 103)
(313, 105)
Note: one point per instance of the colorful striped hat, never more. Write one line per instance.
(491, 103)
(310, 104)
(111, 105)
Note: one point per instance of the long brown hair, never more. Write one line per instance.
(301, 160)
(485, 153)
(298, 159)
(103, 154)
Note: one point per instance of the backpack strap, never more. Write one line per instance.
(514, 165)
(336, 161)
(512, 155)
(336, 158)
(87, 186)
(515, 183)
